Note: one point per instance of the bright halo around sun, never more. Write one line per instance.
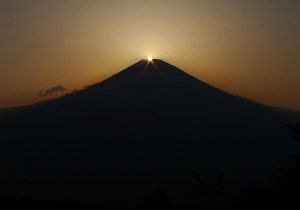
(150, 58)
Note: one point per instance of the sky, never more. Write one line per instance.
(246, 48)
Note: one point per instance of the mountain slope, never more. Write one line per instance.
(157, 90)
(146, 128)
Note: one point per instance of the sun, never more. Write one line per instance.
(150, 58)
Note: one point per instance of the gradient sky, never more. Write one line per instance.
(248, 48)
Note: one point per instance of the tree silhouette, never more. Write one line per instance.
(286, 182)
(159, 200)
(296, 130)
(212, 188)
(290, 175)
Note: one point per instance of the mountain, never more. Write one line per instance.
(147, 127)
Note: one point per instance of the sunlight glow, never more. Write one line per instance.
(150, 58)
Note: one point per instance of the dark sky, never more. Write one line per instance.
(247, 48)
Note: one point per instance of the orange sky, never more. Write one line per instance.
(247, 48)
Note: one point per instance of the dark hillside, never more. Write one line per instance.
(146, 128)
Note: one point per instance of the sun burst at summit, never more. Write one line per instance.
(150, 58)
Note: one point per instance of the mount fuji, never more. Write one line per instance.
(147, 127)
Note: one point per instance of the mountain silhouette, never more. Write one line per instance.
(145, 128)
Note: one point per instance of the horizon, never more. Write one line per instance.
(249, 49)
(62, 93)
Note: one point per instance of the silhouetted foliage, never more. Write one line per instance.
(160, 200)
(283, 193)
(296, 130)
(291, 175)
(37, 204)
(286, 181)
(212, 188)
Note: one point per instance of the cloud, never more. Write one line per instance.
(47, 92)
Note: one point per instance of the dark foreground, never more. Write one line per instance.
(215, 191)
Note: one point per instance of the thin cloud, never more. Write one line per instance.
(48, 92)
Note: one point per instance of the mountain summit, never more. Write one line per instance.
(145, 128)
(155, 75)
